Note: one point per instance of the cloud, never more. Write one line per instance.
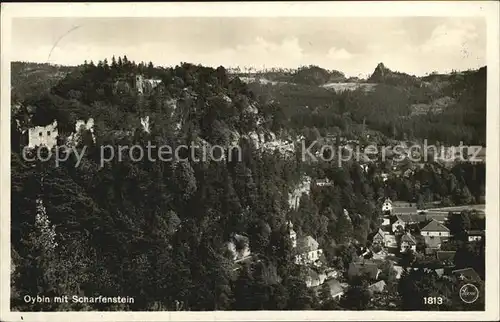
(398, 32)
(416, 46)
(446, 38)
(338, 54)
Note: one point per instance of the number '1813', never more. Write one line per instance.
(433, 300)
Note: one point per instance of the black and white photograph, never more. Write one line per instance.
(166, 160)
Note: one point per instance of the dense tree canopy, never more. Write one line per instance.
(157, 231)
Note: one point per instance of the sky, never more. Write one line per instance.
(414, 45)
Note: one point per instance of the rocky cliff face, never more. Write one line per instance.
(384, 75)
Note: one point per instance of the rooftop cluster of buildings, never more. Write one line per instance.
(405, 220)
(404, 228)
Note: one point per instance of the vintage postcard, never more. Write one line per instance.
(250, 161)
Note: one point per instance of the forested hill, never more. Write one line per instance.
(448, 108)
(29, 79)
(158, 230)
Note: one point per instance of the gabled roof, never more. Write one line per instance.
(404, 210)
(313, 275)
(307, 244)
(439, 216)
(364, 267)
(377, 287)
(468, 274)
(335, 287)
(432, 241)
(380, 233)
(410, 218)
(408, 238)
(435, 226)
(475, 233)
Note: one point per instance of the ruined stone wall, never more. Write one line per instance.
(43, 136)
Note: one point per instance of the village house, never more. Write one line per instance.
(475, 235)
(408, 242)
(43, 136)
(439, 216)
(331, 272)
(308, 251)
(432, 243)
(435, 228)
(446, 257)
(396, 223)
(378, 237)
(467, 274)
(377, 287)
(387, 205)
(404, 209)
(336, 288)
(404, 220)
(390, 241)
(314, 278)
(364, 268)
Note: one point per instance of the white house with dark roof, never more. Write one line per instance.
(435, 228)
(408, 242)
(308, 251)
(387, 205)
(378, 237)
(404, 220)
(398, 222)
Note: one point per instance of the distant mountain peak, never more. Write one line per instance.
(380, 72)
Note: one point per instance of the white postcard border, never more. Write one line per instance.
(487, 9)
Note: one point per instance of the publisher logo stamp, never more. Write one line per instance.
(469, 293)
